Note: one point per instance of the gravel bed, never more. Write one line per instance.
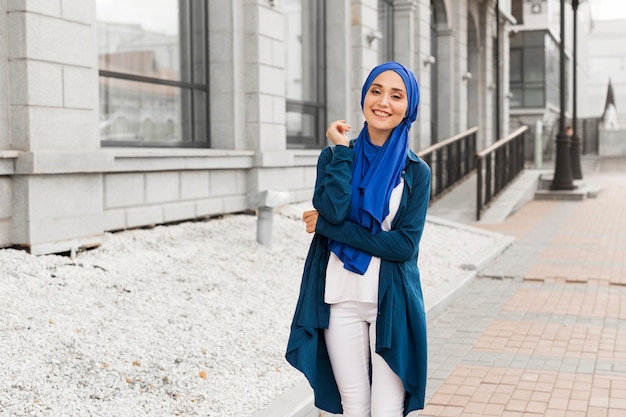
(181, 320)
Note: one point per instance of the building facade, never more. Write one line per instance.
(122, 114)
(605, 63)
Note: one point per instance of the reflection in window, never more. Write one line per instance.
(153, 66)
(304, 46)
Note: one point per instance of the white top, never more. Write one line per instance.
(343, 285)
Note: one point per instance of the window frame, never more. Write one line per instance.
(190, 86)
(521, 46)
(315, 109)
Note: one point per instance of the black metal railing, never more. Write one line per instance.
(497, 166)
(450, 161)
(587, 129)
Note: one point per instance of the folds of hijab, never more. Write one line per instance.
(377, 170)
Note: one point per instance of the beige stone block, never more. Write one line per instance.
(179, 211)
(162, 187)
(123, 190)
(114, 220)
(209, 207)
(144, 216)
(194, 185)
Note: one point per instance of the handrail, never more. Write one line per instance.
(502, 141)
(450, 160)
(446, 142)
(507, 162)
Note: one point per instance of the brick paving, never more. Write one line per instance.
(542, 330)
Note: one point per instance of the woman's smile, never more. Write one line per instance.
(381, 113)
(385, 105)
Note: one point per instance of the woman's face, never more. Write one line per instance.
(385, 105)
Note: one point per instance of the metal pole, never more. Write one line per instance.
(497, 138)
(538, 144)
(576, 143)
(562, 179)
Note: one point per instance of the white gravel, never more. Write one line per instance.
(182, 320)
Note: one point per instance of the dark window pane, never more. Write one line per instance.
(516, 40)
(533, 97)
(534, 38)
(201, 131)
(533, 64)
(517, 10)
(515, 69)
(198, 23)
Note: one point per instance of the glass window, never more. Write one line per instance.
(533, 38)
(153, 72)
(533, 64)
(305, 83)
(529, 61)
(516, 97)
(552, 71)
(517, 10)
(533, 96)
(515, 65)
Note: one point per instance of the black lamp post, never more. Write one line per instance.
(562, 179)
(576, 143)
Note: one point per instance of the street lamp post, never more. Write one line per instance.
(576, 143)
(562, 179)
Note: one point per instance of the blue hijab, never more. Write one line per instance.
(376, 170)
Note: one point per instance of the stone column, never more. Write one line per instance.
(447, 83)
(227, 74)
(422, 68)
(264, 68)
(53, 112)
(460, 76)
(404, 21)
(405, 39)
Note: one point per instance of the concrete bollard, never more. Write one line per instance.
(264, 202)
(264, 225)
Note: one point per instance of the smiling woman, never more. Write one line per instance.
(359, 329)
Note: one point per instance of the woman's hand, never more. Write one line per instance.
(337, 132)
(310, 219)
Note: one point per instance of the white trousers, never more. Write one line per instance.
(351, 340)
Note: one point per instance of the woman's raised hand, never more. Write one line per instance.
(337, 131)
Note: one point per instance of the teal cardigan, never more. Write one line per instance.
(401, 322)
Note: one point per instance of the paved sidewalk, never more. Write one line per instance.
(542, 331)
